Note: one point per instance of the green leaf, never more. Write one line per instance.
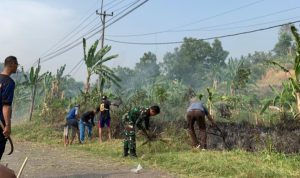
(268, 103)
(280, 66)
(295, 84)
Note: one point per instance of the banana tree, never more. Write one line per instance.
(94, 61)
(56, 83)
(31, 81)
(294, 78)
(283, 99)
(47, 81)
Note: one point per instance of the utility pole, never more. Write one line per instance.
(103, 18)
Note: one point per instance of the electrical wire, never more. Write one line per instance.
(79, 62)
(69, 36)
(209, 38)
(74, 43)
(198, 29)
(201, 20)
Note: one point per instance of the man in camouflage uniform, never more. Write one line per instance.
(135, 118)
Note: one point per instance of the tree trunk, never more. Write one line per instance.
(298, 101)
(32, 101)
(215, 84)
(87, 84)
(231, 90)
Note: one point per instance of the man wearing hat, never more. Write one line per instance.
(104, 119)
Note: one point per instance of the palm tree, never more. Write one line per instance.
(94, 61)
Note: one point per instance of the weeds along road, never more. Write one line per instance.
(53, 161)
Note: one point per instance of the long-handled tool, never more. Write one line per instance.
(222, 135)
(22, 167)
(156, 137)
(9, 139)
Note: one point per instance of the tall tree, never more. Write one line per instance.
(237, 75)
(147, 69)
(284, 44)
(218, 54)
(194, 61)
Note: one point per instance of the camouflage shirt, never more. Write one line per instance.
(136, 116)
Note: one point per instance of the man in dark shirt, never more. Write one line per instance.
(7, 86)
(135, 118)
(104, 117)
(87, 120)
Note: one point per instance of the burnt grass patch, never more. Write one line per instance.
(283, 137)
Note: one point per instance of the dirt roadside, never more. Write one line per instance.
(51, 161)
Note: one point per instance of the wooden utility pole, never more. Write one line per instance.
(103, 18)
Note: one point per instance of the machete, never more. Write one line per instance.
(9, 139)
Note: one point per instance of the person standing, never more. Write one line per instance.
(104, 119)
(7, 87)
(87, 120)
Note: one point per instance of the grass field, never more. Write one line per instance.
(177, 159)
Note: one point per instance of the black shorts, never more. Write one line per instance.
(72, 123)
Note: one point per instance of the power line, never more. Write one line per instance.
(245, 20)
(220, 14)
(69, 36)
(109, 3)
(244, 26)
(115, 10)
(198, 29)
(115, 5)
(71, 45)
(128, 12)
(79, 63)
(74, 29)
(201, 20)
(75, 72)
(209, 38)
(58, 49)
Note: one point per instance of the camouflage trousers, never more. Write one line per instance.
(129, 141)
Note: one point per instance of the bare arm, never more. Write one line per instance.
(7, 117)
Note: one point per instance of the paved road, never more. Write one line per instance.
(51, 161)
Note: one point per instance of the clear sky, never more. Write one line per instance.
(30, 28)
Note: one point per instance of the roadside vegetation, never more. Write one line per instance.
(255, 100)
